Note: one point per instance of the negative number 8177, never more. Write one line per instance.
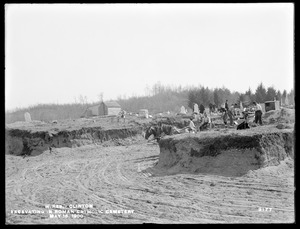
(260, 209)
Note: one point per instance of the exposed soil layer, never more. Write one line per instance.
(24, 142)
(228, 153)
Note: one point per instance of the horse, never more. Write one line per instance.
(153, 130)
(158, 131)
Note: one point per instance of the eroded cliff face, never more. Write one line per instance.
(25, 142)
(228, 153)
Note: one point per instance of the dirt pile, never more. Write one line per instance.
(178, 121)
(284, 115)
(29, 142)
(229, 153)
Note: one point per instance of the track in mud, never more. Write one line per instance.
(116, 178)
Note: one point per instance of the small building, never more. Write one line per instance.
(272, 105)
(104, 108)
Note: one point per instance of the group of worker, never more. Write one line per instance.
(227, 112)
(204, 119)
(230, 112)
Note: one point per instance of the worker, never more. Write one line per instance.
(231, 114)
(121, 115)
(258, 113)
(201, 108)
(192, 126)
(226, 105)
(224, 116)
(244, 124)
(205, 122)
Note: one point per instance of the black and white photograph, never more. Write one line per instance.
(149, 113)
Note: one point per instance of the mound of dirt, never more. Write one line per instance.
(284, 115)
(228, 153)
(177, 121)
(283, 168)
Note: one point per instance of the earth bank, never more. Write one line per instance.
(228, 153)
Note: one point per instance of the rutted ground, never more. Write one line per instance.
(116, 177)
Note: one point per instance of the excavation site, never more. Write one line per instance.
(104, 171)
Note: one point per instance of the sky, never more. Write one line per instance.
(56, 52)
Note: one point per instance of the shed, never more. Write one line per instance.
(104, 108)
(272, 105)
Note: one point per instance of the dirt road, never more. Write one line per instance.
(115, 178)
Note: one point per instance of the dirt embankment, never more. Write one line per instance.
(282, 116)
(227, 153)
(177, 121)
(22, 141)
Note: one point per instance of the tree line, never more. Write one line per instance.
(159, 98)
(218, 96)
(166, 98)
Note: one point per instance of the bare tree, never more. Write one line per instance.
(81, 99)
(100, 96)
